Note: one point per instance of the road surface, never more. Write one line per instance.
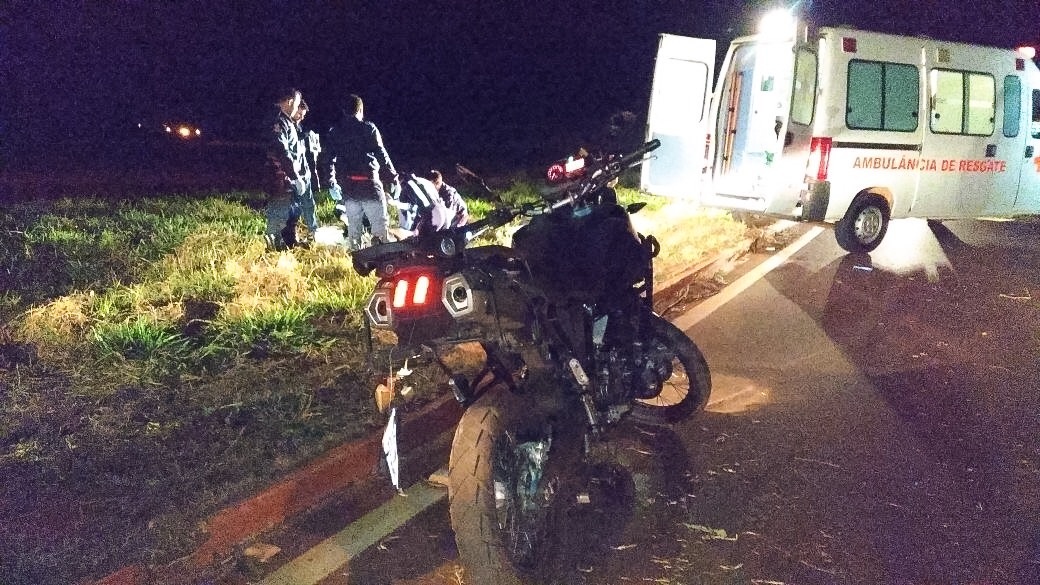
(874, 420)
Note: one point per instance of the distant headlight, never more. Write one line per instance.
(183, 131)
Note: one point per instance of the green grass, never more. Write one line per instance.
(157, 362)
(157, 359)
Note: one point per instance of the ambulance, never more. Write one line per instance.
(847, 127)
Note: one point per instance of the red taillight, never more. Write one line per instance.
(819, 157)
(411, 293)
(848, 44)
(400, 293)
(422, 287)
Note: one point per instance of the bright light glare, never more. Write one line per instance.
(400, 293)
(184, 131)
(422, 286)
(1027, 52)
(777, 24)
(736, 394)
(911, 234)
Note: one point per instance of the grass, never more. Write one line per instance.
(157, 362)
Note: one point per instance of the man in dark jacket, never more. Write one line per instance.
(355, 159)
(287, 157)
(302, 205)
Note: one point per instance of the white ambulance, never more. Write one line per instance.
(847, 127)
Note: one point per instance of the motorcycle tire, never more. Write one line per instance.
(687, 386)
(499, 541)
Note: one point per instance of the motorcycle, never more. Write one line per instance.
(572, 349)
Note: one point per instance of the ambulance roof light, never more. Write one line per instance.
(1027, 52)
(778, 24)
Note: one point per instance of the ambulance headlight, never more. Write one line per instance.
(778, 24)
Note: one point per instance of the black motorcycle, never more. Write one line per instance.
(573, 348)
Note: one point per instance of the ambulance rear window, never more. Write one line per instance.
(803, 98)
(882, 96)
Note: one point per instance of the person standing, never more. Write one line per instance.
(302, 205)
(355, 160)
(287, 155)
(458, 212)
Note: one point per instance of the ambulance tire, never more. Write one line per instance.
(864, 224)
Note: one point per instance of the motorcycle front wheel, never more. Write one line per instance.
(501, 492)
(680, 372)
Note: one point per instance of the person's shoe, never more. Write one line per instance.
(352, 245)
(289, 236)
(274, 242)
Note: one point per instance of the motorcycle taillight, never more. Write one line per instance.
(406, 296)
(412, 292)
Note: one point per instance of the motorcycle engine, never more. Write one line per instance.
(652, 373)
(627, 372)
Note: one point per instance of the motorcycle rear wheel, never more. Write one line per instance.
(501, 530)
(686, 384)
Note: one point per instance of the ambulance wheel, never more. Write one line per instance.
(864, 224)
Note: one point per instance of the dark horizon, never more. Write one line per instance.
(441, 82)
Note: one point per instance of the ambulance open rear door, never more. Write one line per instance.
(677, 116)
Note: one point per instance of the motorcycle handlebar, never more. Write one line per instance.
(504, 215)
(627, 160)
(367, 260)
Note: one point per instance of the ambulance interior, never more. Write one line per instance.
(753, 104)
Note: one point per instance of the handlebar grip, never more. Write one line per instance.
(640, 152)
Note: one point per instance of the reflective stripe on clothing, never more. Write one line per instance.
(422, 191)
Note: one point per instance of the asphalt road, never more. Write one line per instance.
(875, 419)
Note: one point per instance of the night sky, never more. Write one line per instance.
(442, 79)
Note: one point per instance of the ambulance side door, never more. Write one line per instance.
(963, 147)
(677, 116)
(1010, 139)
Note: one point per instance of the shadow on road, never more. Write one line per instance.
(952, 348)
